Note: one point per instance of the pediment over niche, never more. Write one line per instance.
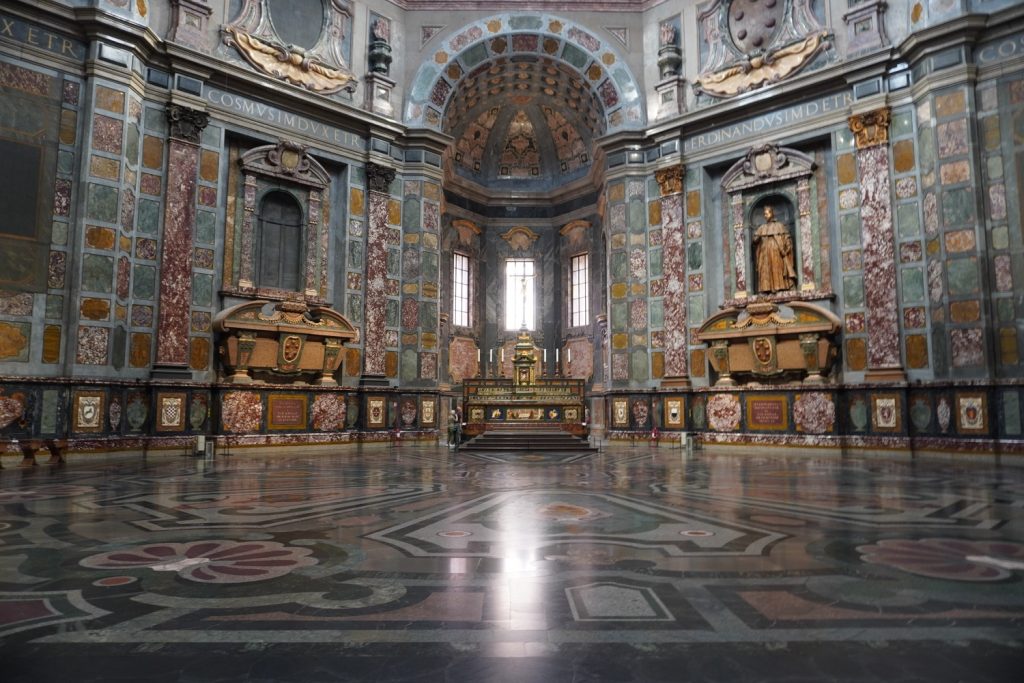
(287, 161)
(520, 237)
(766, 164)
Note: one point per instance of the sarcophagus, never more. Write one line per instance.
(764, 343)
(281, 343)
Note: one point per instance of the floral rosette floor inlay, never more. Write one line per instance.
(948, 558)
(814, 413)
(213, 561)
(724, 412)
(45, 492)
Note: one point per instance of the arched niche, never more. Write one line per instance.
(769, 175)
(286, 167)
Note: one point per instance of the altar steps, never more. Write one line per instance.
(540, 441)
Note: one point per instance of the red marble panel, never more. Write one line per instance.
(176, 261)
(376, 287)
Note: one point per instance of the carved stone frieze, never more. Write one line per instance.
(870, 128)
(321, 68)
(752, 44)
(186, 124)
(379, 178)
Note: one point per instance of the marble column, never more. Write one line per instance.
(803, 200)
(378, 183)
(186, 127)
(871, 133)
(739, 245)
(670, 183)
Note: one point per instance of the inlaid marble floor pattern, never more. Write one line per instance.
(419, 564)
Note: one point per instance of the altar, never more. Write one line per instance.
(524, 401)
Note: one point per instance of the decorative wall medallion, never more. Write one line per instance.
(468, 231)
(88, 415)
(572, 414)
(641, 413)
(944, 414)
(170, 415)
(620, 413)
(320, 67)
(11, 408)
(476, 415)
(885, 411)
(921, 414)
(724, 412)
(428, 412)
(859, 414)
(407, 411)
(670, 180)
(114, 413)
(765, 42)
(971, 414)
(376, 412)
(137, 410)
(814, 413)
(241, 411)
(329, 411)
(674, 412)
(198, 411)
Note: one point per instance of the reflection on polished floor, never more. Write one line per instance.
(416, 564)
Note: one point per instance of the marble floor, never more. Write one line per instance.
(418, 564)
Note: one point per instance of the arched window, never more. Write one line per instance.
(280, 241)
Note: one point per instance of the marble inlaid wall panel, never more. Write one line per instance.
(39, 138)
(910, 247)
(1000, 103)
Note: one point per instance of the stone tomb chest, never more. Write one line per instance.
(282, 343)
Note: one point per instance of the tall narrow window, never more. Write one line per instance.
(460, 290)
(519, 304)
(579, 292)
(280, 242)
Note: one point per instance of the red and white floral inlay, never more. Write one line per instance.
(210, 561)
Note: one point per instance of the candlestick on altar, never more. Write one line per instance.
(545, 355)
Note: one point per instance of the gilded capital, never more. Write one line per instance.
(870, 129)
(670, 180)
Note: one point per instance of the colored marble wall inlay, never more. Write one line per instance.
(376, 274)
(674, 303)
(879, 259)
(176, 261)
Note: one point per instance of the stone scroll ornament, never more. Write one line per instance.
(753, 43)
(320, 68)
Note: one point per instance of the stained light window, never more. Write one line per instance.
(519, 294)
(579, 291)
(460, 290)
